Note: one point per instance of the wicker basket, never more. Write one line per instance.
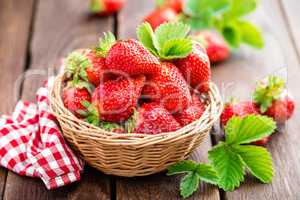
(132, 154)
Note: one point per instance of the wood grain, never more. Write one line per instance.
(157, 186)
(15, 19)
(237, 77)
(59, 27)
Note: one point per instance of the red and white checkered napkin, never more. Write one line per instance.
(31, 144)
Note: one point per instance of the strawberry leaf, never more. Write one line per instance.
(268, 90)
(146, 37)
(176, 48)
(251, 35)
(228, 164)
(248, 129)
(207, 173)
(258, 160)
(232, 34)
(96, 6)
(240, 8)
(104, 44)
(183, 166)
(189, 184)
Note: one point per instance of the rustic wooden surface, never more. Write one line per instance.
(35, 34)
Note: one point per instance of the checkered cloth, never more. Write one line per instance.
(31, 144)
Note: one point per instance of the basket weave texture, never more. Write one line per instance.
(132, 154)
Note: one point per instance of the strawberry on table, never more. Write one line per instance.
(132, 58)
(115, 100)
(273, 99)
(153, 119)
(160, 16)
(106, 7)
(176, 5)
(169, 88)
(196, 68)
(192, 113)
(216, 47)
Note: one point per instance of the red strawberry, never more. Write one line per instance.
(83, 64)
(176, 5)
(159, 16)
(72, 98)
(154, 119)
(273, 100)
(241, 109)
(131, 57)
(116, 99)
(216, 47)
(196, 68)
(281, 109)
(169, 88)
(106, 7)
(192, 113)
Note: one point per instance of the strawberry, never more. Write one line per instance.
(216, 47)
(176, 5)
(106, 7)
(169, 88)
(273, 100)
(196, 68)
(160, 16)
(72, 98)
(116, 99)
(154, 119)
(241, 109)
(132, 58)
(192, 113)
(281, 109)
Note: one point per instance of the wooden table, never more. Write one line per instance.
(35, 34)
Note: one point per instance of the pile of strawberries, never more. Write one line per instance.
(269, 98)
(154, 85)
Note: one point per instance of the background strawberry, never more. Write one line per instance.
(273, 100)
(192, 113)
(116, 99)
(216, 47)
(131, 57)
(176, 5)
(169, 88)
(154, 119)
(160, 16)
(241, 109)
(196, 68)
(72, 98)
(106, 7)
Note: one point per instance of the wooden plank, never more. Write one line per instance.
(59, 27)
(15, 18)
(291, 14)
(237, 77)
(157, 186)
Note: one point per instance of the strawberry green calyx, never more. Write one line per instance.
(267, 91)
(130, 124)
(75, 66)
(92, 116)
(104, 44)
(169, 41)
(81, 84)
(96, 6)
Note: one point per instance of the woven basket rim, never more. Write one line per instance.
(57, 108)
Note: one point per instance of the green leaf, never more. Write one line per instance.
(104, 44)
(146, 37)
(207, 173)
(240, 8)
(251, 35)
(96, 6)
(199, 8)
(228, 164)
(232, 34)
(160, 3)
(183, 166)
(248, 129)
(268, 90)
(258, 160)
(168, 31)
(130, 124)
(176, 48)
(189, 184)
